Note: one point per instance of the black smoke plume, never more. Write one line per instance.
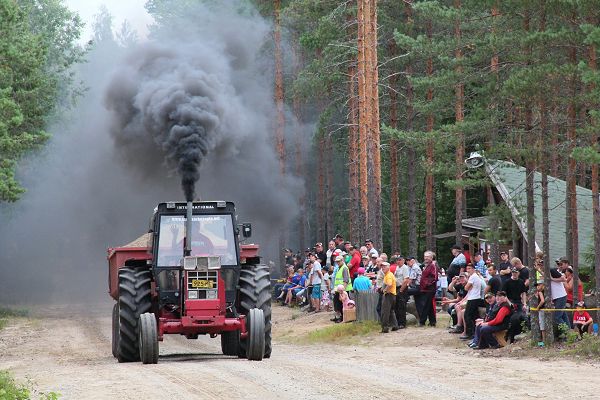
(164, 95)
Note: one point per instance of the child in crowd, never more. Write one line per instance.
(582, 321)
(325, 296)
(541, 304)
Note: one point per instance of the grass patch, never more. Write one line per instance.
(11, 390)
(343, 332)
(588, 347)
(6, 312)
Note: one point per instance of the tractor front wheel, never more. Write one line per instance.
(148, 339)
(134, 300)
(255, 292)
(255, 324)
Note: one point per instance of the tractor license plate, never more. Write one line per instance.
(202, 284)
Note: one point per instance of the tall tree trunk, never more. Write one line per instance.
(573, 232)
(410, 151)
(394, 181)
(494, 67)
(355, 220)
(279, 102)
(299, 166)
(529, 188)
(460, 137)
(555, 138)
(321, 195)
(329, 217)
(369, 114)
(363, 128)
(543, 164)
(375, 135)
(279, 95)
(429, 180)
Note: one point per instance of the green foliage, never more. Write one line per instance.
(9, 390)
(571, 336)
(37, 44)
(563, 330)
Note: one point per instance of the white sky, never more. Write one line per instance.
(130, 10)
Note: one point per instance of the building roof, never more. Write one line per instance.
(509, 180)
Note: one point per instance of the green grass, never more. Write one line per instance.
(6, 312)
(587, 347)
(11, 390)
(343, 332)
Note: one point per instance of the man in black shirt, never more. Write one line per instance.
(523, 271)
(504, 267)
(321, 255)
(494, 283)
(516, 291)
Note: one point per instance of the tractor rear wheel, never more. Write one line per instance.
(115, 330)
(230, 343)
(255, 323)
(255, 292)
(134, 300)
(148, 339)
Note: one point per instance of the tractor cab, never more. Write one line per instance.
(213, 234)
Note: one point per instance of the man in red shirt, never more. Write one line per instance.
(354, 263)
(582, 321)
(499, 323)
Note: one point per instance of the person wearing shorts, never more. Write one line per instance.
(316, 277)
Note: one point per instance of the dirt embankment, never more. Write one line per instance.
(69, 352)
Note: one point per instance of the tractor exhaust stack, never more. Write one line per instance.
(188, 231)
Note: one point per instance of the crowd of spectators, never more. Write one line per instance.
(487, 303)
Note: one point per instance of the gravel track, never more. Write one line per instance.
(72, 355)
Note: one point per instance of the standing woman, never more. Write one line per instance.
(429, 280)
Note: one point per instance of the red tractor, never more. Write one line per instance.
(192, 277)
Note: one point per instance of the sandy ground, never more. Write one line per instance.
(72, 355)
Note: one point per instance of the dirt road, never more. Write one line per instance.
(72, 356)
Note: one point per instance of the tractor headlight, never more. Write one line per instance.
(211, 294)
(192, 294)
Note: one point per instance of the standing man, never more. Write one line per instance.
(321, 255)
(479, 265)
(354, 264)
(389, 298)
(370, 249)
(401, 274)
(429, 280)
(504, 267)
(523, 271)
(341, 277)
(457, 265)
(494, 284)
(516, 292)
(316, 277)
(559, 296)
(330, 257)
(474, 301)
(339, 242)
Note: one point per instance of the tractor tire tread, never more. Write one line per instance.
(134, 300)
